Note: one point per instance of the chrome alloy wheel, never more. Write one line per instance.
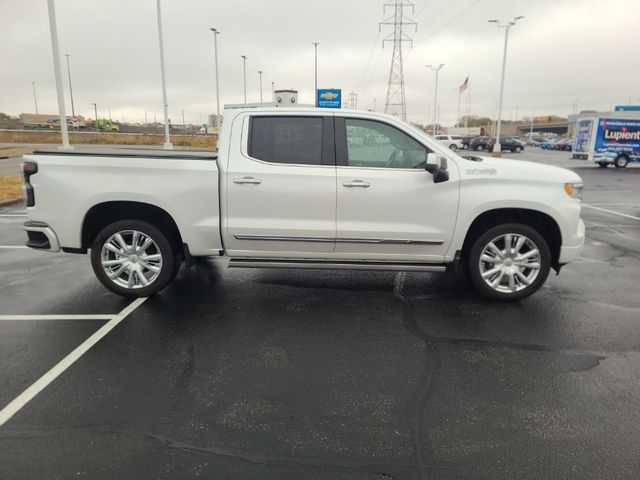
(510, 263)
(131, 259)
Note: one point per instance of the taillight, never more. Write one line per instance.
(28, 169)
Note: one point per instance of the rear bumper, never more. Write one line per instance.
(41, 237)
(568, 253)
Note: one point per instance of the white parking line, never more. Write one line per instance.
(13, 214)
(55, 317)
(25, 397)
(613, 212)
(10, 247)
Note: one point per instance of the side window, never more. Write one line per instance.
(378, 145)
(280, 139)
(441, 137)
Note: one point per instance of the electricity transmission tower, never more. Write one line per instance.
(396, 103)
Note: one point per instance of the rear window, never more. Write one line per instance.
(281, 139)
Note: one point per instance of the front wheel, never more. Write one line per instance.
(602, 164)
(518, 149)
(453, 146)
(133, 258)
(509, 262)
(479, 147)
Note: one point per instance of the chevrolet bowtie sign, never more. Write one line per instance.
(329, 98)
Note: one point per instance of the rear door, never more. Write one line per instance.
(281, 186)
(388, 206)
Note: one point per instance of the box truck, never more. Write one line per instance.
(608, 139)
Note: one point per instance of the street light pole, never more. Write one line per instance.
(95, 110)
(496, 147)
(273, 91)
(73, 110)
(244, 76)
(35, 98)
(167, 139)
(315, 91)
(58, 74)
(435, 97)
(260, 77)
(215, 49)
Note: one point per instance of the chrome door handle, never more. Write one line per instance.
(250, 180)
(356, 183)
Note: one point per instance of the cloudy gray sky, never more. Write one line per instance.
(562, 51)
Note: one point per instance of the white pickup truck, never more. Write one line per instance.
(306, 188)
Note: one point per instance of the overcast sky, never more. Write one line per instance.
(562, 51)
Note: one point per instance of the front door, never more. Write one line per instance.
(281, 187)
(389, 209)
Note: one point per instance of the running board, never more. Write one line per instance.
(333, 265)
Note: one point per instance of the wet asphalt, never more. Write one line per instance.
(314, 374)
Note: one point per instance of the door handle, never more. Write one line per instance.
(250, 180)
(356, 183)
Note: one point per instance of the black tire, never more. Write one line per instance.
(474, 262)
(621, 161)
(453, 147)
(518, 149)
(478, 147)
(602, 164)
(169, 258)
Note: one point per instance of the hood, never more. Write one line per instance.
(519, 169)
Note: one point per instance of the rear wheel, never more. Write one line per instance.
(602, 164)
(479, 147)
(509, 262)
(133, 258)
(453, 146)
(621, 161)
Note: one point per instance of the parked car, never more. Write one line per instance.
(535, 141)
(454, 142)
(479, 143)
(506, 144)
(548, 144)
(564, 144)
(268, 199)
(466, 141)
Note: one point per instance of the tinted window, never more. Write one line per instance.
(376, 144)
(286, 139)
(441, 137)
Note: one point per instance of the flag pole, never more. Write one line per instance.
(459, 96)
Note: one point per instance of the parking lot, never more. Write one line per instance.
(320, 374)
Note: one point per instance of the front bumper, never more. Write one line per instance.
(568, 253)
(41, 236)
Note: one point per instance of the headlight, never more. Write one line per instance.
(574, 190)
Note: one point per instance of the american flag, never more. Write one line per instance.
(464, 85)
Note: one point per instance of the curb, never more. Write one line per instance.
(6, 203)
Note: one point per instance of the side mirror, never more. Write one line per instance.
(437, 166)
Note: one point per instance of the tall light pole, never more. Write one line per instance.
(95, 110)
(435, 96)
(496, 147)
(73, 110)
(215, 50)
(58, 74)
(35, 98)
(244, 73)
(167, 139)
(315, 91)
(273, 91)
(260, 77)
